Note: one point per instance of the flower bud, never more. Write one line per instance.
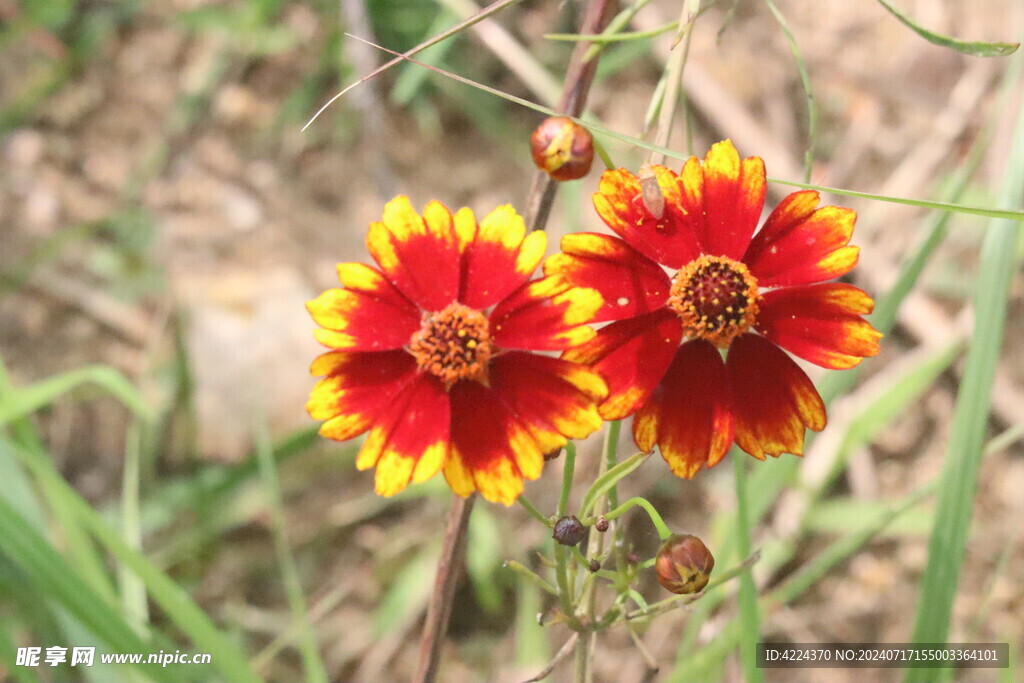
(594, 566)
(601, 525)
(569, 531)
(684, 564)
(562, 149)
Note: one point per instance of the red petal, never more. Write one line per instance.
(491, 451)
(629, 282)
(774, 399)
(800, 244)
(553, 398)
(357, 389)
(419, 255)
(632, 356)
(498, 258)
(689, 415)
(820, 323)
(371, 315)
(545, 315)
(668, 240)
(410, 442)
(733, 198)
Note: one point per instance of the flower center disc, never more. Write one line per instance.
(716, 298)
(453, 343)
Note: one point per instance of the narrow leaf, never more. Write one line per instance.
(595, 127)
(977, 48)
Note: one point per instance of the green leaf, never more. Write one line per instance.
(750, 614)
(978, 49)
(17, 403)
(595, 127)
(959, 478)
(313, 665)
(484, 557)
(179, 608)
(609, 479)
(408, 593)
(58, 581)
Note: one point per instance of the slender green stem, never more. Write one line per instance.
(1008, 214)
(602, 153)
(611, 447)
(606, 480)
(562, 576)
(133, 590)
(614, 26)
(525, 571)
(750, 617)
(568, 469)
(663, 531)
(805, 80)
(608, 37)
(674, 81)
(535, 513)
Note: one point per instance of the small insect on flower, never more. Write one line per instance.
(684, 564)
(650, 192)
(562, 148)
(702, 307)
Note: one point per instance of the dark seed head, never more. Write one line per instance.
(601, 525)
(569, 531)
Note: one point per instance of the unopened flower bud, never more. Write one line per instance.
(594, 566)
(569, 531)
(601, 525)
(562, 148)
(684, 564)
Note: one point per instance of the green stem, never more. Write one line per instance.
(659, 523)
(562, 576)
(525, 571)
(611, 446)
(608, 479)
(568, 469)
(750, 617)
(608, 37)
(602, 153)
(535, 513)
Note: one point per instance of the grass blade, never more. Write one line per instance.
(959, 476)
(978, 49)
(805, 81)
(172, 599)
(56, 579)
(20, 402)
(750, 615)
(673, 154)
(313, 665)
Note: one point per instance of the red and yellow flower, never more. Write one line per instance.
(733, 293)
(433, 353)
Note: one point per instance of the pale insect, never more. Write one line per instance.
(650, 192)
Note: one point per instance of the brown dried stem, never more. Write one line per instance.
(449, 568)
(578, 77)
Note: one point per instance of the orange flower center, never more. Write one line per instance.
(716, 298)
(453, 343)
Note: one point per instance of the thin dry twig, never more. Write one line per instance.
(493, 8)
(578, 77)
(559, 656)
(449, 568)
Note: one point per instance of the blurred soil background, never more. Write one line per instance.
(162, 213)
